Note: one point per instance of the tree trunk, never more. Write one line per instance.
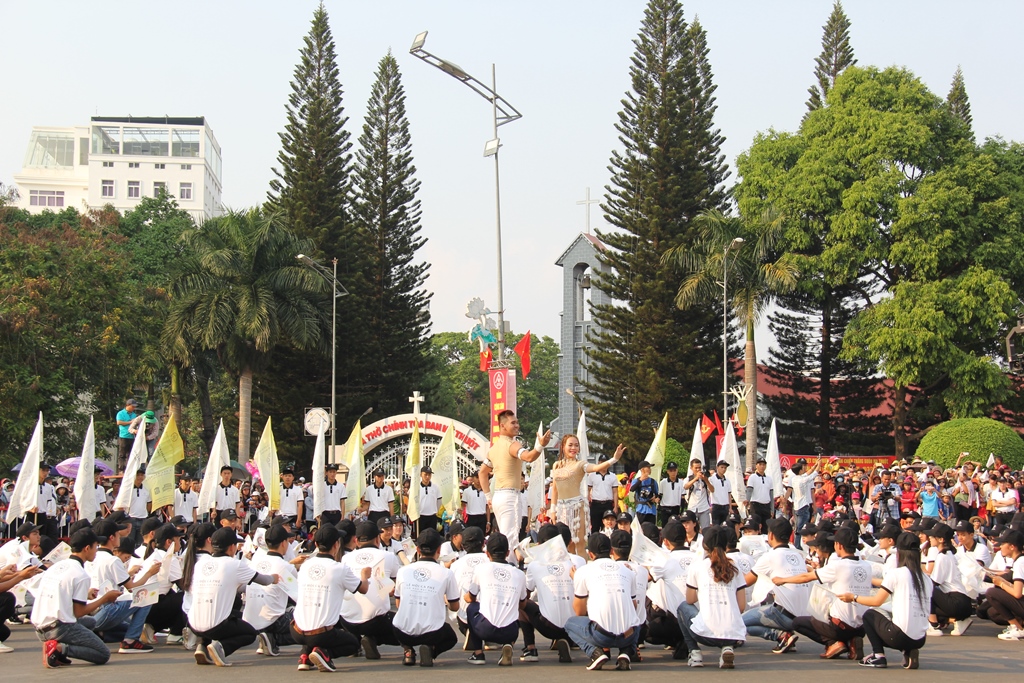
(244, 414)
(825, 384)
(899, 421)
(750, 379)
(206, 408)
(176, 394)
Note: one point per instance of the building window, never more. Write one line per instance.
(133, 164)
(134, 189)
(186, 167)
(185, 191)
(108, 164)
(159, 167)
(83, 151)
(46, 198)
(159, 187)
(184, 143)
(106, 140)
(107, 189)
(145, 141)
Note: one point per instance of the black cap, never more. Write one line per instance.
(497, 545)
(126, 545)
(753, 523)
(378, 472)
(942, 531)
(326, 536)
(760, 459)
(908, 541)
(643, 464)
(472, 534)
(227, 515)
(426, 470)
(822, 540)
(178, 520)
(688, 516)
(80, 524)
(722, 463)
(734, 518)
(149, 525)
(428, 541)
(624, 517)
(106, 528)
(82, 539)
(609, 513)
(331, 467)
(622, 541)
(384, 523)
(599, 544)
(674, 533)
(846, 537)
(910, 514)
(278, 534)
(366, 531)
(224, 538)
(287, 470)
(117, 516)
(26, 529)
(671, 466)
(167, 532)
(131, 402)
(808, 529)
(455, 528)
(964, 525)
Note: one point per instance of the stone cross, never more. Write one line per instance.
(415, 400)
(587, 202)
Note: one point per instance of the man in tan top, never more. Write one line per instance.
(505, 460)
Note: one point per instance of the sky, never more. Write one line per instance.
(563, 64)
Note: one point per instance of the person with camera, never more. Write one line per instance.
(645, 492)
(886, 497)
(801, 483)
(698, 490)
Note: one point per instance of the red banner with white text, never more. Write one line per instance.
(502, 382)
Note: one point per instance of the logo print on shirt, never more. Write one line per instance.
(860, 575)
(421, 575)
(316, 572)
(363, 558)
(793, 560)
(556, 569)
(209, 569)
(502, 574)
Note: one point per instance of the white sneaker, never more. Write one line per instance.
(189, 639)
(148, 635)
(933, 632)
(4, 649)
(960, 627)
(696, 659)
(1012, 633)
(727, 658)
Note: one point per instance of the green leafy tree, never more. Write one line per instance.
(957, 101)
(651, 357)
(241, 292)
(836, 55)
(756, 276)
(395, 305)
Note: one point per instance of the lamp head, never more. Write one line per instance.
(418, 41)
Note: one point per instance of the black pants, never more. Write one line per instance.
(719, 513)
(336, 642)
(7, 606)
(376, 516)
(663, 628)
(644, 517)
(1000, 607)
(764, 514)
(946, 606)
(379, 629)
(330, 517)
(665, 512)
(232, 633)
(481, 630)
(425, 522)
(1003, 518)
(880, 631)
(281, 628)
(124, 449)
(535, 621)
(826, 632)
(597, 510)
(167, 614)
(441, 640)
(479, 521)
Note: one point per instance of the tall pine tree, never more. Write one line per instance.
(836, 55)
(957, 100)
(388, 215)
(650, 356)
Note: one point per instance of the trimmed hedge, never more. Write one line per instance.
(978, 436)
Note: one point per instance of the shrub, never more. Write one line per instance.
(978, 436)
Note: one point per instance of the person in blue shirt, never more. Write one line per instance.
(645, 493)
(125, 437)
(928, 499)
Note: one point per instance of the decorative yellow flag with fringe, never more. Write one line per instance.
(170, 450)
(265, 458)
(656, 455)
(412, 469)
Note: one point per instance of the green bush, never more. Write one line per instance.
(978, 436)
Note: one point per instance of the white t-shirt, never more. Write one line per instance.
(101, 497)
(909, 610)
(45, 497)
(499, 588)
(463, 569)
(264, 604)
(697, 497)
(358, 609)
(723, 489)
(430, 498)
(424, 588)
(227, 497)
(643, 577)
(762, 488)
(946, 574)
(673, 571)
(846, 575)
(215, 582)
(671, 492)
(719, 615)
(610, 589)
(290, 498)
(802, 485)
(980, 553)
(137, 504)
(185, 504)
(475, 500)
(333, 495)
(745, 562)
(322, 583)
(1018, 569)
(602, 486)
(785, 561)
(554, 590)
(380, 499)
(106, 571)
(1004, 501)
(161, 556)
(60, 587)
(448, 549)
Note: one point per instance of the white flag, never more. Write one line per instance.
(85, 482)
(446, 471)
(317, 478)
(774, 465)
(584, 456)
(697, 448)
(730, 453)
(535, 486)
(136, 459)
(26, 493)
(656, 453)
(219, 457)
(991, 462)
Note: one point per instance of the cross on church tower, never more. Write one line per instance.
(416, 399)
(587, 202)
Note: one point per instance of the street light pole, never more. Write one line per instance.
(502, 113)
(330, 276)
(738, 241)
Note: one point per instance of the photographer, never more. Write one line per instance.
(698, 493)
(645, 493)
(886, 497)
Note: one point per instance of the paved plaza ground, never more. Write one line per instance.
(978, 653)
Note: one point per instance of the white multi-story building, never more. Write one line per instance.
(118, 160)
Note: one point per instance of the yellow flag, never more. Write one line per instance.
(656, 455)
(412, 468)
(265, 458)
(445, 471)
(170, 450)
(356, 481)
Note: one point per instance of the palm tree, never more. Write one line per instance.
(240, 292)
(757, 274)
